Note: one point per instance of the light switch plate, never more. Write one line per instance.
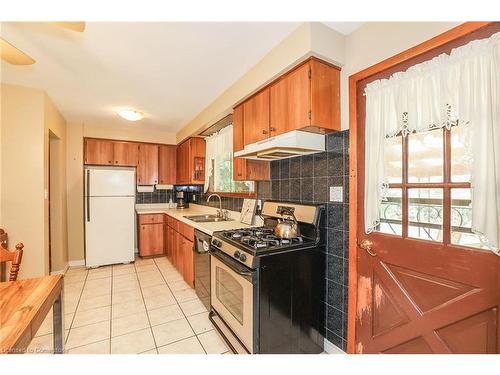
(336, 194)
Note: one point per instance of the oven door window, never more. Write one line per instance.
(230, 293)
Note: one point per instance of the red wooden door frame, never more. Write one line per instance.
(441, 39)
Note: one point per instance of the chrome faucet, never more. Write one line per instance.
(220, 212)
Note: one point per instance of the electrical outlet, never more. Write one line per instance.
(336, 194)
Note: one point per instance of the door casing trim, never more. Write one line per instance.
(437, 41)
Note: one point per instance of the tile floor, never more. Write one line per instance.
(145, 307)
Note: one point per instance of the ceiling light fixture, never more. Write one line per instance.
(130, 114)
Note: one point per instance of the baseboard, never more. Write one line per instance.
(331, 348)
(77, 263)
(61, 272)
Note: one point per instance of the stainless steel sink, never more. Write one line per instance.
(206, 218)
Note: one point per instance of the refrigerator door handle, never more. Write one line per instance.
(88, 195)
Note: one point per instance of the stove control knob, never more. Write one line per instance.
(237, 254)
(243, 257)
(216, 243)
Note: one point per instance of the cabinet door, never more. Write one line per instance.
(188, 262)
(279, 107)
(257, 170)
(298, 97)
(256, 117)
(239, 169)
(179, 248)
(151, 239)
(181, 163)
(196, 152)
(98, 152)
(167, 164)
(147, 167)
(238, 141)
(325, 95)
(125, 154)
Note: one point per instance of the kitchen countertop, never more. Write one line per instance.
(195, 209)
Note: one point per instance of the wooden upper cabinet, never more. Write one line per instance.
(298, 95)
(125, 153)
(238, 141)
(191, 161)
(98, 152)
(256, 117)
(243, 169)
(167, 164)
(279, 122)
(325, 95)
(147, 167)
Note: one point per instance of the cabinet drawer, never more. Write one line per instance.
(187, 231)
(173, 223)
(150, 218)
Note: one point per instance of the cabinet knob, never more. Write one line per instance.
(264, 131)
(272, 129)
(110, 162)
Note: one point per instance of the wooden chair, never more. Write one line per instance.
(10, 256)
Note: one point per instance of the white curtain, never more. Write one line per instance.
(219, 148)
(210, 154)
(449, 90)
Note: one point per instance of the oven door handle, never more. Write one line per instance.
(233, 265)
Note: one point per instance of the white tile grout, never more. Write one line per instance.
(141, 287)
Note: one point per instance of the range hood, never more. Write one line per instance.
(287, 145)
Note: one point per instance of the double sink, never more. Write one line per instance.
(206, 218)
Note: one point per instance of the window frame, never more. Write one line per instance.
(446, 185)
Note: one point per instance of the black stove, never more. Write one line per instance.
(261, 238)
(260, 282)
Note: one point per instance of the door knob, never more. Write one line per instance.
(367, 246)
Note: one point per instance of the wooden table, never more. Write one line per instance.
(24, 304)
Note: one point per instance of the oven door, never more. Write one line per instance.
(231, 296)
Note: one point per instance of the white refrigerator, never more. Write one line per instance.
(109, 215)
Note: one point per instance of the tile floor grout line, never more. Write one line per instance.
(111, 312)
(185, 316)
(146, 308)
(76, 307)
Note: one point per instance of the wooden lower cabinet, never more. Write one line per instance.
(187, 251)
(180, 248)
(151, 239)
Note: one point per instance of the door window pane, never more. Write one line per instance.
(230, 293)
(393, 160)
(460, 155)
(391, 213)
(425, 214)
(461, 219)
(425, 156)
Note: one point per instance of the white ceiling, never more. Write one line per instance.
(170, 71)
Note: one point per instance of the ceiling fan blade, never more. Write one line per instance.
(74, 26)
(13, 55)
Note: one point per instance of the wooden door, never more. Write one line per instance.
(125, 153)
(298, 87)
(279, 107)
(256, 117)
(423, 286)
(188, 266)
(167, 164)
(151, 239)
(325, 95)
(147, 167)
(98, 152)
